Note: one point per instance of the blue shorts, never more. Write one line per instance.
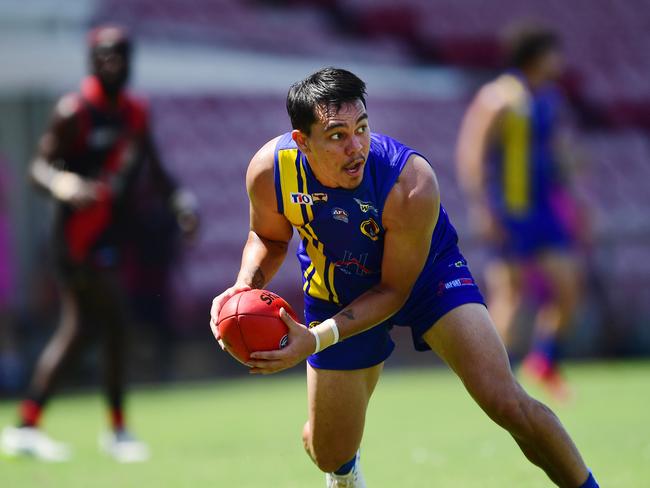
(527, 237)
(442, 286)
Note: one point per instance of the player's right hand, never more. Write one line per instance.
(217, 303)
(74, 190)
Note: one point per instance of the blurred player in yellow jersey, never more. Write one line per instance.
(513, 167)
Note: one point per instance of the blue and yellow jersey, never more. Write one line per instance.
(523, 171)
(341, 232)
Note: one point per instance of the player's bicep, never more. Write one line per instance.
(60, 135)
(267, 223)
(265, 220)
(410, 216)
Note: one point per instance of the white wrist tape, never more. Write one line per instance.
(64, 185)
(315, 334)
(326, 334)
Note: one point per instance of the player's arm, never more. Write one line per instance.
(47, 169)
(409, 217)
(269, 235)
(270, 232)
(182, 201)
(475, 136)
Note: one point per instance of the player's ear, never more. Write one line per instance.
(301, 140)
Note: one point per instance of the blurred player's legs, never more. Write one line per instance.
(468, 342)
(123, 447)
(91, 303)
(30, 441)
(27, 438)
(562, 274)
(337, 411)
(504, 285)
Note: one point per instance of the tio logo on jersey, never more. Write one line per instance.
(302, 198)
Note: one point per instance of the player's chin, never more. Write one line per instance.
(350, 182)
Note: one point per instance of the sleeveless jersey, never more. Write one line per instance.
(103, 149)
(522, 171)
(340, 230)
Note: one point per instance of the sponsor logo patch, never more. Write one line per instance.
(340, 215)
(457, 283)
(319, 197)
(366, 207)
(370, 228)
(302, 198)
(353, 265)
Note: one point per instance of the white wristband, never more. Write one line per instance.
(326, 334)
(335, 330)
(315, 334)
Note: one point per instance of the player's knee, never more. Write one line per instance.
(513, 411)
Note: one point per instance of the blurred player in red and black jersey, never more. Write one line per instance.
(515, 161)
(88, 161)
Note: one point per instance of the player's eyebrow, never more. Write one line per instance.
(334, 125)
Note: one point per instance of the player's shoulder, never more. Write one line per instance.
(387, 150)
(137, 101)
(382, 144)
(504, 91)
(68, 106)
(418, 178)
(415, 194)
(261, 167)
(138, 110)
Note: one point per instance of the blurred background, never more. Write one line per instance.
(216, 73)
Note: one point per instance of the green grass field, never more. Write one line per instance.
(422, 431)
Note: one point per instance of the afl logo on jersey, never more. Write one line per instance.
(370, 228)
(340, 215)
(302, 198)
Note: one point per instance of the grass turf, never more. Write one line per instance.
(422, 430)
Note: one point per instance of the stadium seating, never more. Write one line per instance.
(605, 41)
(294, 30)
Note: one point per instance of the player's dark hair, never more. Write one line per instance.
(527, 44)
(326, 87)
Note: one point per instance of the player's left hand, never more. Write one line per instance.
(186, 206)
(301, 344)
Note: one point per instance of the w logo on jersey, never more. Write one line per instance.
(302, 198)
(366, 206)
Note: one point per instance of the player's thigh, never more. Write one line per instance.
(466, 339)
(504, 277)
(338, 400)
(562, 271)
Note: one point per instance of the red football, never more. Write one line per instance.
(250, 321)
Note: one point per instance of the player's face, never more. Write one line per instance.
(338, 146)
(111, 65)
(551, 64)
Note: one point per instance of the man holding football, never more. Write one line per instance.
(377, 249)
